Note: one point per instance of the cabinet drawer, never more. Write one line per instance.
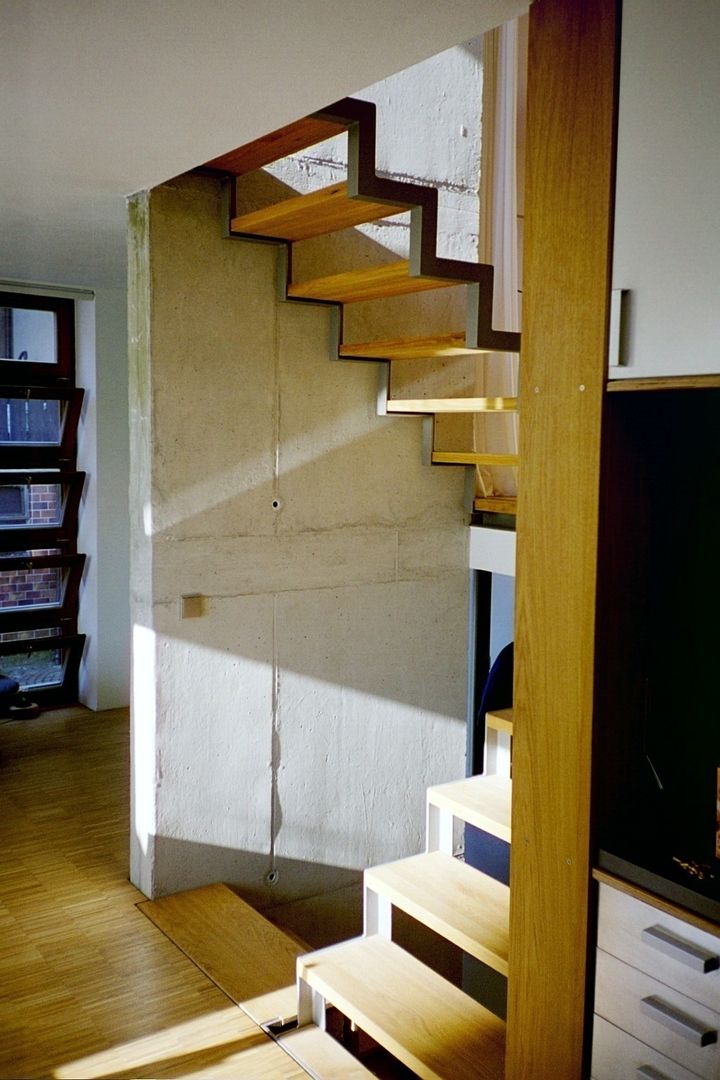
(616, 1054)
(669, 1022)
(673, 951)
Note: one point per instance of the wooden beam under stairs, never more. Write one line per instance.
(368, 283)
(452, 405)
(457, 901)
(315, 214)
(482, 801)
(426, 1022)
(278, 144)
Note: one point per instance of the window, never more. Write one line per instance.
(40, 491)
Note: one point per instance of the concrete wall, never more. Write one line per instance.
(292, 728)
(428, 132)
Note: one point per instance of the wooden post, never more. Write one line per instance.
(568, 212)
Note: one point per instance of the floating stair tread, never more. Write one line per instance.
(452, 405)
(473, 457)
(314, 214)
(371, 283)
(426, 1022)
(482, 801)
(242, 952)
(500, 720)
(497, 504)
(455, 900)
(279, 1007)
(419, 348)
(322, 1055)
(278, 144)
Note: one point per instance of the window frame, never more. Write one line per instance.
(24, 372)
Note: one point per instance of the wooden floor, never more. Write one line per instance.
(88, 986)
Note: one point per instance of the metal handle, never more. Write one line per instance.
(678, 948)
(693, 1030)
(648, 1073)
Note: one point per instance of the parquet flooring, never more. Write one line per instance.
(88, 986)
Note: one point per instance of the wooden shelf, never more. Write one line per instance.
(452, 405)
(321, 1055)
(368, 284)
(668, 382)
(315, 214)
(500, 720)
(482, 801)
(419, 348)
(426, 1022)
(458, 902)
(278, 144)
(472, 457)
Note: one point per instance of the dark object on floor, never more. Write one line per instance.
(13, 704)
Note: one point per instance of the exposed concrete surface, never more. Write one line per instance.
(296, 725)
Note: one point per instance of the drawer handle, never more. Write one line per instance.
(678, 948)
(646, 1072)
(679, 1022)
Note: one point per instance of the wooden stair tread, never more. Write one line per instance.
(455, 900)
(314, 214)
(426, 1022)
(452, 405)
(419, 348)
(370, 283)
(500, 720)
(242, 952)
(473, 457)
(278, 144)
(321, 1054)
(498, 504)
(278, 1007)
(482, 801)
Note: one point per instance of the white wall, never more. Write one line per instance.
(295, 725)
(103, 532)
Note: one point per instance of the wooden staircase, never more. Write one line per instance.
(428, 1024)
(367, 197)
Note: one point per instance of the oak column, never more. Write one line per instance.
(568, 199)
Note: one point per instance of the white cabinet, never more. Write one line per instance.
(667, 216)
(657, 993)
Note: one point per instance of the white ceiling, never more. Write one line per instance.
(101, 98)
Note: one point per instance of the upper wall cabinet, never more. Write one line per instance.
(667, 218)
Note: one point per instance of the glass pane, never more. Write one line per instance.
(30, 421)
(26, 554)
(31, 588)
(25, 505)
(28, 335)
(44, 667)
